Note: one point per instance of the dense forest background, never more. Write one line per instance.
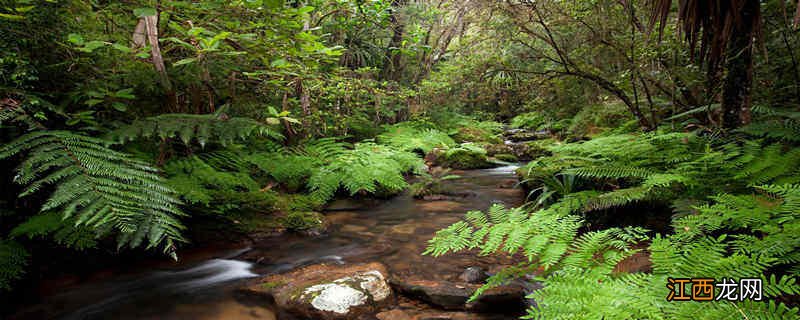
(134, 128)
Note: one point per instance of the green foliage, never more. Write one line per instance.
(530, 121)
(99, 188)
(216, 189)
(193, 127)
(596, 119)
(728, 223)
(368, 168)
(507, 157)
(775, 124)
(324, 166)
(538, 148)
(299, 221)
(465, 129)
(407, 136)
(52, 225)
(465, 156)
(579, 275)
(432, 183)
(13, 260)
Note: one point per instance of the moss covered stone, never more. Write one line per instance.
(466, 156)
(507, 157)
(303, 221)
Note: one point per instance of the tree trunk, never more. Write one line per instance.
(147, 33)
(392, 64)
(739, 68)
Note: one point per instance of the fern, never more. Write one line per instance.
(203, 128)
(365, 168)
(100, 188)
(580, 281)
(13, 260)
(774, 124)
(409, 138)
(62, 231)
(221, 188)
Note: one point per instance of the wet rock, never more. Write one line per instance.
(395, 314)
(495, 149)
(449, 196)
(353, 228)
(444, 315)
(348, 205)
(341, 217)
(446, 295)
(404, 229)
(508, 183)
(474, 275)
(524, 135)
(327, 292)
(260, 236)
(454, 296)
(509, 192)
(434, 157)
(439, 206)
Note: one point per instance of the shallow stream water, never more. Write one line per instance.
(394, 232)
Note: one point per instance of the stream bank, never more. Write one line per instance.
(393, 233)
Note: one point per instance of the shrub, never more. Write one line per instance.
(592, 120)
(530, 121)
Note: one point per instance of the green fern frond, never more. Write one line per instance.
(202, 128)
(610, 172)
(98, 187)
(617, 198)
(365, 168)
(410, 138)
(63, 231)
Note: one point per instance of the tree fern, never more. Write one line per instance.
(105, 190)
(203, 128)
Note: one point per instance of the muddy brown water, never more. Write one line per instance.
(394, 232)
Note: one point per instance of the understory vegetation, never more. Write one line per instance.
(659, 130)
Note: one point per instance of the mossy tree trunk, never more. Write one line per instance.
(738, 84)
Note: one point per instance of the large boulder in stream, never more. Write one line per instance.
(328, 292)
(455, 295)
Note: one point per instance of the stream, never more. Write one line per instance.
(394, 232)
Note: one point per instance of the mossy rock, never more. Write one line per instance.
(304, 222)
(466, 156)
(495, 149)
(538, 148)
(327, 292)
(507, 157)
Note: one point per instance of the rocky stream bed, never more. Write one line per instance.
(367, 265)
